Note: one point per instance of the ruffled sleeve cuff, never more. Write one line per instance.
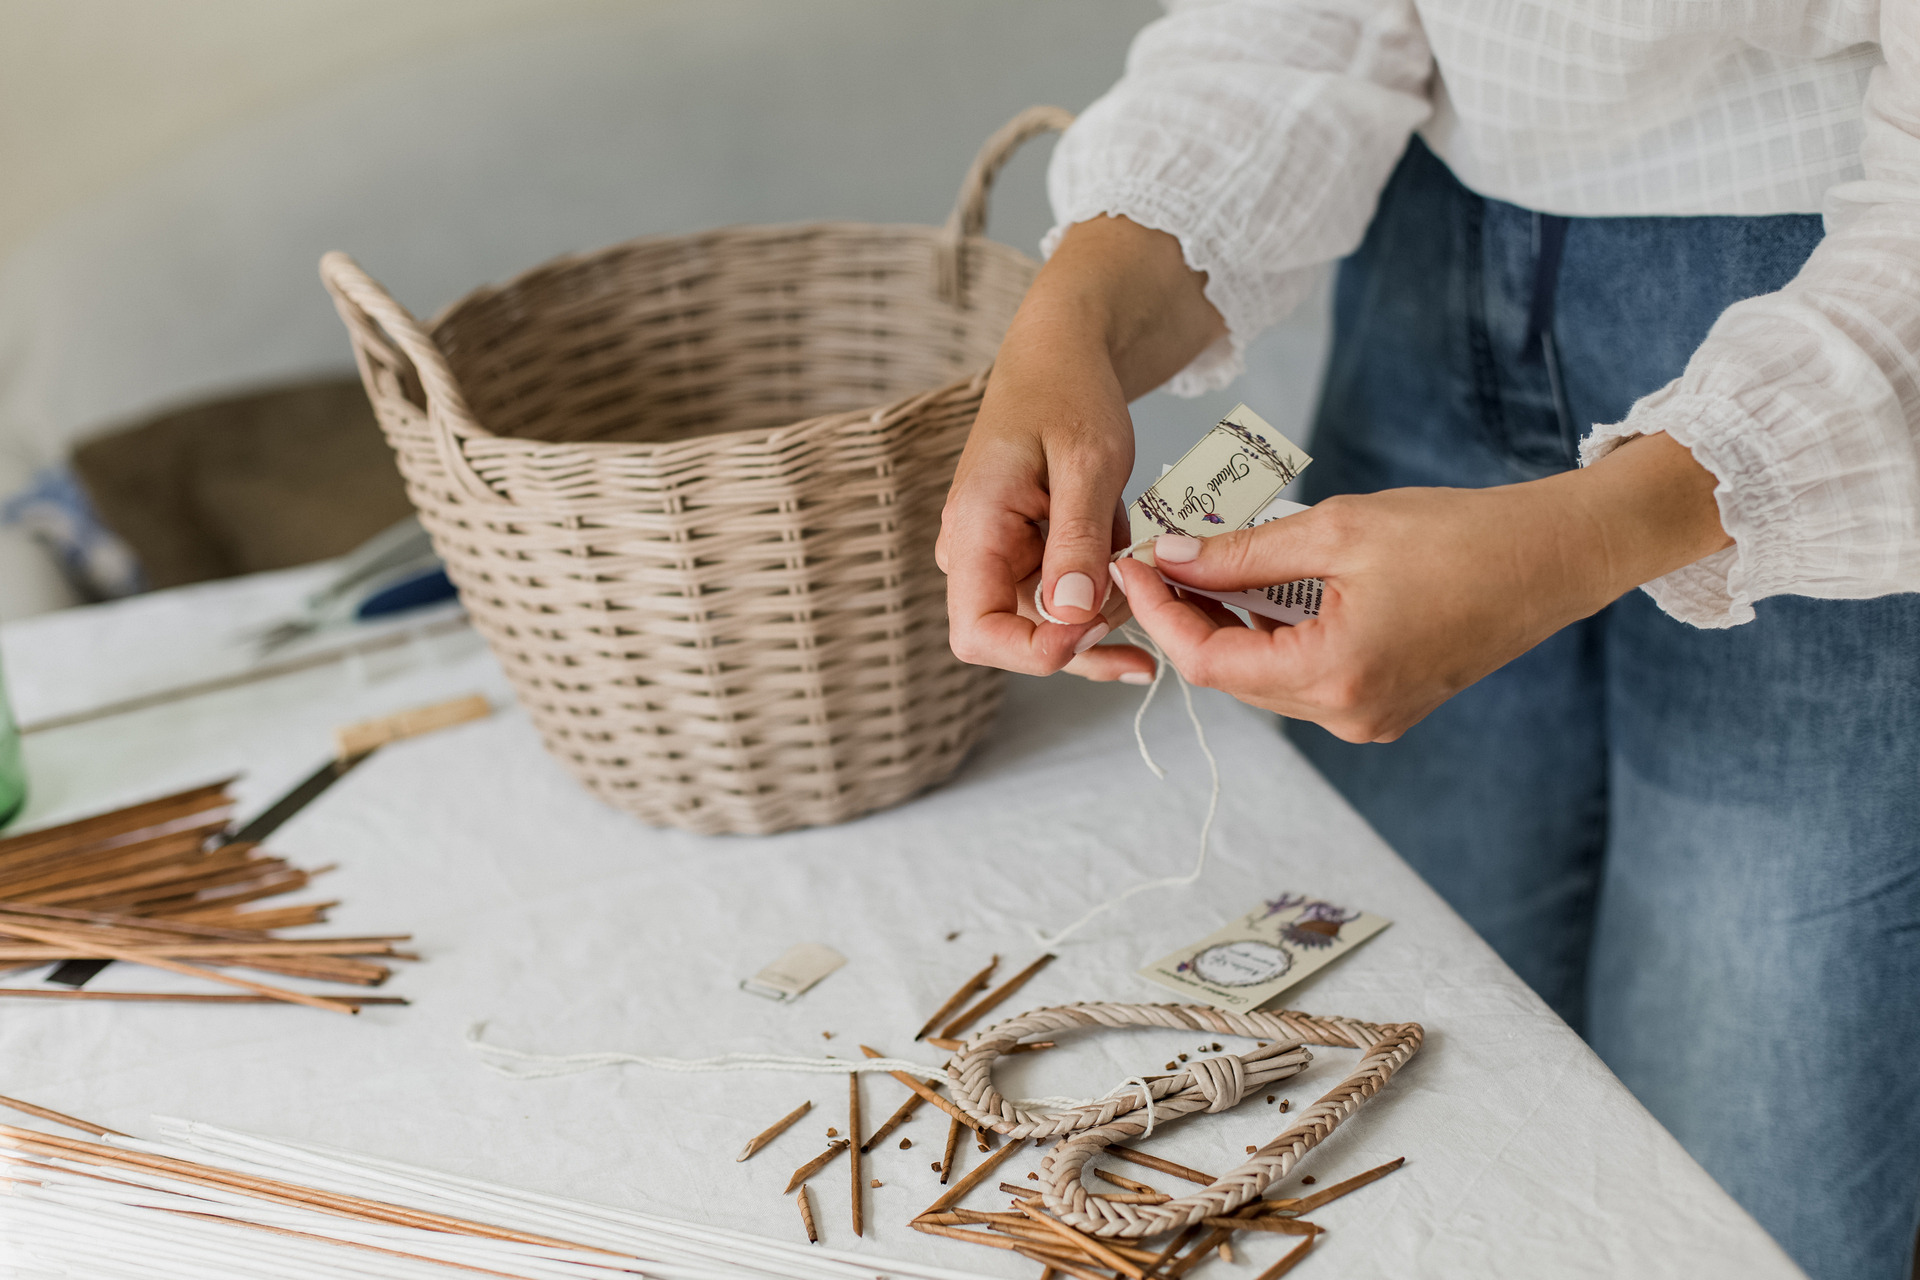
(1754, 496)
(1247, 307)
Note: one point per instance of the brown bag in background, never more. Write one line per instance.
(267, 480)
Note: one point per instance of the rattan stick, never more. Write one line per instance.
(1128, 1183)
(1307, 1204)
(1040, 1238)
(284, 950)
(1289, 1259)
(198, 906)
(57, 938)
(815, 1165)
(984, 1215)
(1279, 1226)
(1173, 1246)
(952, 1195)
(953, 1046)
(953, 1149)
(173, 854)
(992, 999)
(271, 918)
(894, 1121)
(177, 997)
(360, 973)
(1199, 1253)
(1057, 1262)
(171, 930)
(146, 924)
(853, 1155)
(774, 1130)
(1015, 1224)
(95, 875)
(926, 1092)
(1054, 1255)
(806, 1213)
(1132, 1197)
(357, 972)
(957, 999)
(960, 1233)
(48, 1146)
(210, 871)
(103, 827)
(165, 858)
(84, 1126)
(1164, 1166)
(1086, 1244)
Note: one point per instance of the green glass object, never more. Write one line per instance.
(13, 767)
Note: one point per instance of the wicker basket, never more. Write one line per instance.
(689, 487)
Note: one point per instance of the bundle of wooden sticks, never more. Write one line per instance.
(154, 884)
(1025, 1227)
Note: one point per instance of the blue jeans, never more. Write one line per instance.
(1702, 848)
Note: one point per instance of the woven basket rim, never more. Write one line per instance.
(580, 257)
(475, 430)
(664, 450)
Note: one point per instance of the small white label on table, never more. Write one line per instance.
(803, 965)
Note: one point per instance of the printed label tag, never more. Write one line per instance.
(1253, 959)
(1230, 480)
(801, 967)
(1222, 483)
(1290, 602)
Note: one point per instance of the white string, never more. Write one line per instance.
(543, 1066)
(1040, 607)
(540, 1066)
(1161, 666)
(1146, 1100)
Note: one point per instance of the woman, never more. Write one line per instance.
(1591, 334)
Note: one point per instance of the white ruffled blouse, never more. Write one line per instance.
(1260, 133)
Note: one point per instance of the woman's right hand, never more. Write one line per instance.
(1113, 314)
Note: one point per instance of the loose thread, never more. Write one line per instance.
(544, 1065)
(1146, 1100)
(1161, 666)
(541, 1066)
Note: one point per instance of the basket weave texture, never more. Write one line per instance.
(689, 487)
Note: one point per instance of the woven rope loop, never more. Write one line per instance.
(1209, 1084)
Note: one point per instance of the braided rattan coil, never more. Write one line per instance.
(689, 486)
(1209, 1084)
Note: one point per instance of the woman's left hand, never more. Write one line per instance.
(1426, 590)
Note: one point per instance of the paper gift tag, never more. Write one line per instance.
(1251, 960)
(1289, 602)
(801, 967)
(1224, 482)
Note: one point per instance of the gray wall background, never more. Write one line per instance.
(473, 163)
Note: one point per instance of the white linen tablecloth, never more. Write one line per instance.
(566, 927)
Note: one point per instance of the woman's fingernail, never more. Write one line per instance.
(1073, 591)
(1113, 571)
(1136, 677)
(1092, 637)
(1177, 547)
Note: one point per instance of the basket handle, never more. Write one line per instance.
(969, 216)
(387, 340)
